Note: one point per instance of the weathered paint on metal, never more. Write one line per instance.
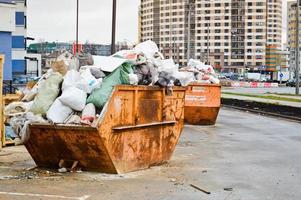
(202, 103)
(138, 128)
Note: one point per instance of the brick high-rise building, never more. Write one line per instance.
(229, 34)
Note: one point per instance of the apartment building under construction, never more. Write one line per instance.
(292, 31)
(231, 35)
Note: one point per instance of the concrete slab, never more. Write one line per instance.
(258, 157)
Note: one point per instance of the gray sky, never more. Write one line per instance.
(54, 20)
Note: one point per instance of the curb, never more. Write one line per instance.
(276, 110)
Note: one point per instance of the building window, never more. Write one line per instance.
(20, 18)
(18, 42)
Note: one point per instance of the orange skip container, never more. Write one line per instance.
(138, 128)
(202, 103)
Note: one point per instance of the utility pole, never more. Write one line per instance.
(113, 43)
(77, 13)
(297, 50)
(188, 35)
(208, 35)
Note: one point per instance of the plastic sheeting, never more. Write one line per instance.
(108, 64)
(100, 96)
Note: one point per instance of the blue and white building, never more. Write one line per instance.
(13, 36)
(19, 39)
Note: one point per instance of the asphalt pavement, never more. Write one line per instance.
(245, 156)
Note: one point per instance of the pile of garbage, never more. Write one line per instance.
(69, 95)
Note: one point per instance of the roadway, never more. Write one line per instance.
(280, 90)
(245, 156)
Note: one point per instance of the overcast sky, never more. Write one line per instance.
(54, 20)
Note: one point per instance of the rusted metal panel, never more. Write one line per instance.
(138, 128)
(202, 103)
(49, 144)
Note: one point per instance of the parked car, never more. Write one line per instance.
(292, 83)
(241, 77)
(22, 79)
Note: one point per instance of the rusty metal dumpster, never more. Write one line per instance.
(138, 128)
(202, 103)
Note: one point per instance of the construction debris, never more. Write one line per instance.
(200, 189)
(75, 91)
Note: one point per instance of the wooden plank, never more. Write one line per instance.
(2, 136)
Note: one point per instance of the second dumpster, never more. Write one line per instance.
(202, 103)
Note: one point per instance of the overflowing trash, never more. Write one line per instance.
(75, 95)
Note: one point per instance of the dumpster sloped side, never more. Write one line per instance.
(49, 144)
(142, 126)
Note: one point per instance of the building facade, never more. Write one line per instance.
(19, 39)
(13, 37)
(231, 35)
(292, 32)
(7, 26)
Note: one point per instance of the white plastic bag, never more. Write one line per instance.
(17, 108)
(201, 66)
(133, 79)
(168, 65)
(88, 82)
(148, 48)
(58, 112)
(214, 80)
(74, 98)
(185, 78)
(71, 79)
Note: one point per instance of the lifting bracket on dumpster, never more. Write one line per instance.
(119, 128)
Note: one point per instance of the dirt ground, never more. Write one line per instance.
(243, 157)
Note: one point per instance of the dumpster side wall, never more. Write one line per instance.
(202, 104)
(146, 127)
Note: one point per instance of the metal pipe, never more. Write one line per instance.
(113, 43)
(297, 49)
(77, 16)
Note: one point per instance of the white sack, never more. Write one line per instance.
(71, 79)
(88, 82)
(58, 112)
(74, 98)
(89, 113)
